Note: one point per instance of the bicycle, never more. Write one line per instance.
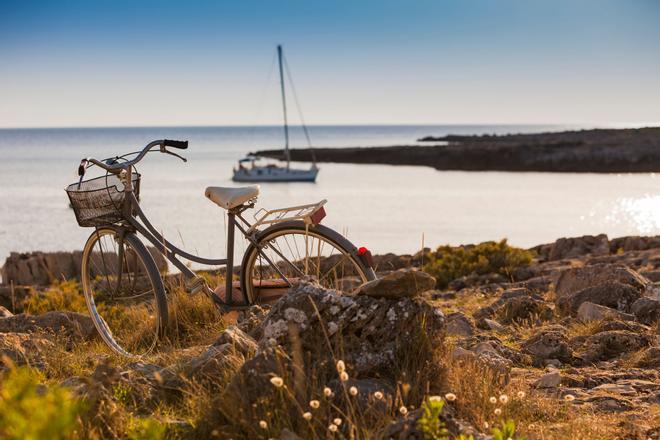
(123, 284)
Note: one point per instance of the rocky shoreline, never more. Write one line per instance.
(568, 345)
(595, 151)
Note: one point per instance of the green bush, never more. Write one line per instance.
(448, 263)
(66, 295)
(29, 410)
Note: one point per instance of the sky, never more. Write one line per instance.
(162, 63)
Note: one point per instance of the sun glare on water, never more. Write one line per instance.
(643, 213)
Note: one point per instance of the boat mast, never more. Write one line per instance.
(286, 124)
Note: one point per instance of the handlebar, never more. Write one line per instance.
(182, 145)
(113, 167)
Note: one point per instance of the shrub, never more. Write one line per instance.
(29, 410)
(60, 296)
(448, 263)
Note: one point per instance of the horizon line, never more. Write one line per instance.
(467, 124)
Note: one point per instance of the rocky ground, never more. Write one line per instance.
(598, 151)
(565, 347)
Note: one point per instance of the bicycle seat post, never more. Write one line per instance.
(229, 294)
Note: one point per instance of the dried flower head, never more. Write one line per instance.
(307, 415)
(486, 425)
(403, 410)
(263, 424)
(332, 427)
(450, 397)
(378, 395)
(327, 392)
(504, 399)
(569, 397)
(337, 421)
(314, 404)
(277, 381)
(343, 376)
(493, 400)
(497, 411)
(521, 394)
(353, 391)
(341, 366)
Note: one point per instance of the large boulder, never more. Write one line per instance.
(42, 268)
(23, 347)
(548, 344)
(400, 283)
(611, 344)
(579, 246)
(74, 326)
(573, 280)
(524, 309)
(459, 325)
(589, 311)
(647, 310)
(371, 332)
(612, 294)
(310, 328)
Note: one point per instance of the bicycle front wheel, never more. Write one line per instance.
(123, 291)
(292, 251)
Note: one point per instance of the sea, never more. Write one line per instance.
(386, 208)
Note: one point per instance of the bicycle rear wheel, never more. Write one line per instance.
(123, 291)
(317, 254)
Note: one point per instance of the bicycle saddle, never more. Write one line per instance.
(229, 198)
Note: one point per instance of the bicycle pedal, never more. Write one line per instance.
(195, 285)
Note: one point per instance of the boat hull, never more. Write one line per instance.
(274, 174)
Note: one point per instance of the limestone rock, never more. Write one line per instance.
(589, 311)
(611, 344)
(23, 347)
(402, 283)
(371, 331)
(524, 309)
(549, 380)
(548, 344)
(647, 310)
(490, 324)
(239, 340)
(74, 326)
(573, 280)
(578, 246)
(611, 294)
(459, 325)
(42, 268)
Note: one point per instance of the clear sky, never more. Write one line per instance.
(114, 63)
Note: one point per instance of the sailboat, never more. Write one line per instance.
(249, 170)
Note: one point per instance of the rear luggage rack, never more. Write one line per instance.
(310, 214)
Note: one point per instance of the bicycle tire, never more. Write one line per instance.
(97, 281)
(339, 242)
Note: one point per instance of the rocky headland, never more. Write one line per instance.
(562, 339)
(596, 151)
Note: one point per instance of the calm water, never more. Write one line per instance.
(384, 207)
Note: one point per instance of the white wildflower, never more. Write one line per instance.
(277, 381)
(450, 397)
(314, 404)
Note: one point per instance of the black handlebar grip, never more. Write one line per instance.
(81, 167)
(182, 145)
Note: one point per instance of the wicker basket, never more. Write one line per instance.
(99, 201)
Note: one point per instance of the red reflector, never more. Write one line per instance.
(318, 216)
(365, 256)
